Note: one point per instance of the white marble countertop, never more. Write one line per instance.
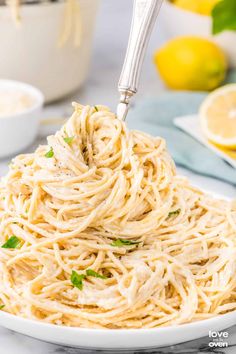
(109, 48)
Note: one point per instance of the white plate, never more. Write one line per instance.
(112, 339)
(116, 339)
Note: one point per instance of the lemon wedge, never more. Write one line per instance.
(218, 116)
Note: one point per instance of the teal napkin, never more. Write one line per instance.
(155, 116)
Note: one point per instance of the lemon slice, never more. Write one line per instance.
(218, 116)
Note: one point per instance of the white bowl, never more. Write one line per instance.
(31, 53)
(111, 339)
(180, 22)
(19, 130)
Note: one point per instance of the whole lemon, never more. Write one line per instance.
(203, 7)
(191, 63)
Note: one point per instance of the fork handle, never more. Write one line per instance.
(144, 16)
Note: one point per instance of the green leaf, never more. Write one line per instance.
(77, 279)
(50, 153)
(92, 273)
(12, 242)
(224, 16)
(69, 139)
(2, 306)
(120, 243)
(174, 213)
(96, 109)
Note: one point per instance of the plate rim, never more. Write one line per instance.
(117, 339)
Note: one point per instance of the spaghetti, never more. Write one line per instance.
(98, 231)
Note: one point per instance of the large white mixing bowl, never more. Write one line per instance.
(30, 52)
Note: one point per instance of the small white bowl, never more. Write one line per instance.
(180, 22)
(18, 130)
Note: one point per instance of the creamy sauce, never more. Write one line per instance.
(13, 101)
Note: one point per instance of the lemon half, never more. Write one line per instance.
(218, 116)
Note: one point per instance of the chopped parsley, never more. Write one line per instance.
(96, 109)
(174, 213)
(2, 306)
(92, 273)
(12, 242)
(50, 153)
(77, 279)
(121, 243)
(69, 139)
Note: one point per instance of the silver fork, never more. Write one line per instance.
(144, 16)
